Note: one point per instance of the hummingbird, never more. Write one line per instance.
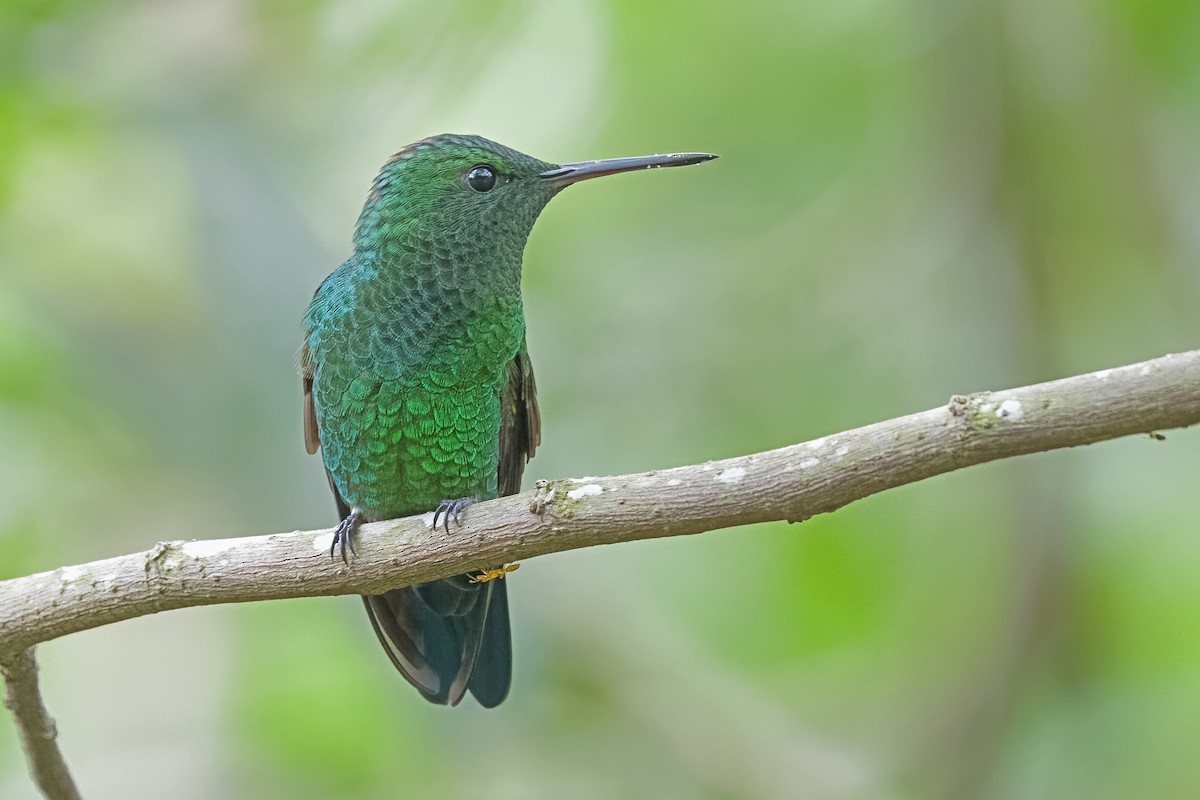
(418, 389)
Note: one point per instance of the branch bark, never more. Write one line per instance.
(35, 726)
(792, 483)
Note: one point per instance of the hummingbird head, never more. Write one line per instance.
(449, 186)
(473, 199)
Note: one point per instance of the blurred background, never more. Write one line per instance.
(914, 199)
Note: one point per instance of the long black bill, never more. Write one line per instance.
(581, 171)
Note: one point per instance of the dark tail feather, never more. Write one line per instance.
(493, 667)
(394, 615)
(447, 636)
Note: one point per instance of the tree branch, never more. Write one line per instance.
(791, 483)
(36, 727)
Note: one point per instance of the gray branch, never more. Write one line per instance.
(791, 483)
(35, 726)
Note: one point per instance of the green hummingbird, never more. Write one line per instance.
(418, 388)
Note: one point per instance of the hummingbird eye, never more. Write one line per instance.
(481, 177)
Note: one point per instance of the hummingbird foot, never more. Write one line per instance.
(450, 509)
(492, 574)
(343, 536)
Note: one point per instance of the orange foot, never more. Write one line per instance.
(491, 574)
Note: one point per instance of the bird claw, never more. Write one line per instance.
(450, 509)
(343, 535)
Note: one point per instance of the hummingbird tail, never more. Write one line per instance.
(447, 637)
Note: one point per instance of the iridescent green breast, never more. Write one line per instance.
(406, 389)
(399, 448)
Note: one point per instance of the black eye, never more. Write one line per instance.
(482, 177)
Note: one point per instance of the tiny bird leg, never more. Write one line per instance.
(343, 536)
(450, 509)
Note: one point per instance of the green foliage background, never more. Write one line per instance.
(915, 198)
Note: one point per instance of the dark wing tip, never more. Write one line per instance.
(312, 437)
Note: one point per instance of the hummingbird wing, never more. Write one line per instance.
(520, 422)
(312, 438)
(520, 434)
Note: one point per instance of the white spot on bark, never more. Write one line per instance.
(674, 482)
(323, 542)
(428, 519)
(986, 408)
(731, 475)
(1145, 370)
(587, 490)
(809, 462)
(207, 548)
(1102, 375)
(73, 573)
(588, 479)
(841, 451)
(1010, 409)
